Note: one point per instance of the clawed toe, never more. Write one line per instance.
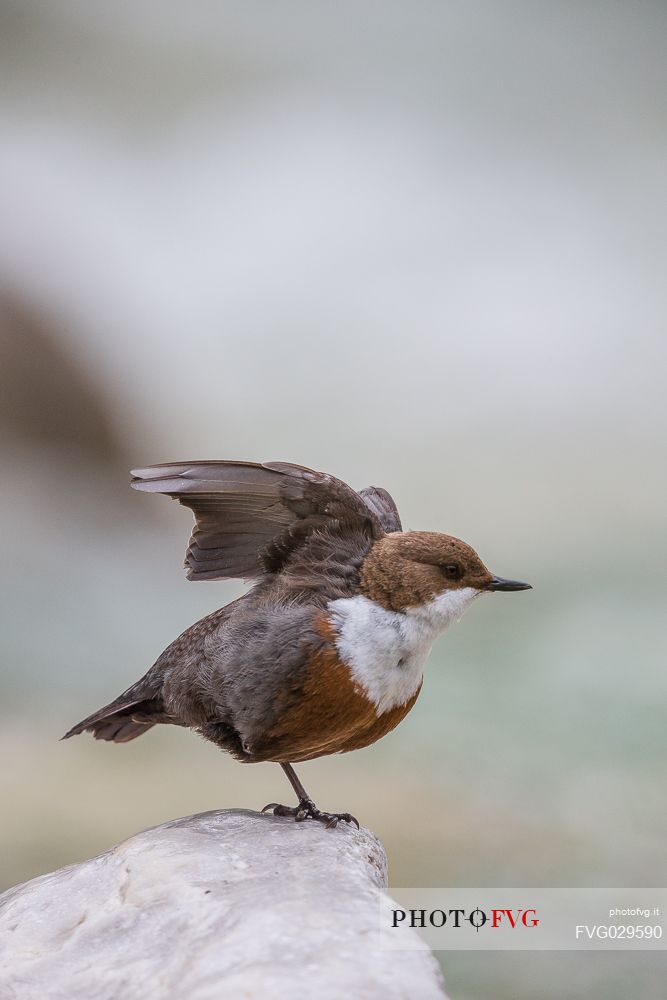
(307, 809)
(347, 817)
(278, 810)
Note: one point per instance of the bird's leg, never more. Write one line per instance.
(306, 808)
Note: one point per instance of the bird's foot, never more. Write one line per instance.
(307, 809)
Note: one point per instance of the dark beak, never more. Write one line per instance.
(498, 583)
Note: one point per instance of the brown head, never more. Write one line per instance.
(407, 569)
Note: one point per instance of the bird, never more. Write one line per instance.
(325, 652)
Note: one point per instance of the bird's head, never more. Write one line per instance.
(417, 570)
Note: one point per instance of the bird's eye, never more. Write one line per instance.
(452, 571)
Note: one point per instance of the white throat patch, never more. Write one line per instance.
(385, 650)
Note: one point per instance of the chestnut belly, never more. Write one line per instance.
(330, 714)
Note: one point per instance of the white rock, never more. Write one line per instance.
(219, 906)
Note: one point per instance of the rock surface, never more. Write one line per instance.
(229, 904)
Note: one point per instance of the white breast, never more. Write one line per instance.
(385, 650)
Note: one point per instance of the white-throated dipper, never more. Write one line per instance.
(325, 653)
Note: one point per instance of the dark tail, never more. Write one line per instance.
(121, 721)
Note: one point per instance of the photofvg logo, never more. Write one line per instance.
(477, 918)
(523, 919)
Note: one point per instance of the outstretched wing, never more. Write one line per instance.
(251, 518)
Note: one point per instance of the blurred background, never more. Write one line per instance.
(419, 245)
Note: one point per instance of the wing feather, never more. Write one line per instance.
(383, 506)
